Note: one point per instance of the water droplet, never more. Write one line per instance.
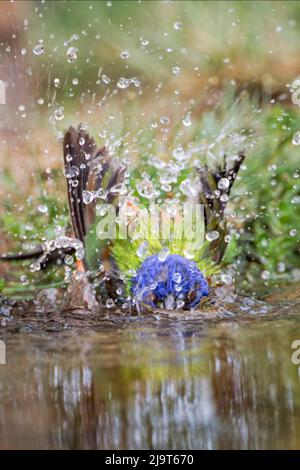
(24, 279)
(213, 235)
(295, 199)
(224, 198)
(34, 267)
(117, 189)
(110, 303)
(169, 302)
(223, 183)
(188, 188)
(176, 70)
(59, 113)
(56, 82)
(43, 209)
(158, 163)
(164, 120)
(281, 267)
(178, 25)
(180, 154)
(125, 55)
(293, 232)
(265, 275)
(38, 49)
(135, 81)
(71, 172)
(75, 37)
(163, 254)
(102, 210)
(144, 42)
(87, 197)
(145, 188)
(142, 249)
(105, 79)
(40, 101)
(176, 278)
(123, 83)
(72, 54)
(79, 252)
(153, 286)
(227, 279)
(187, 121)
(296, 138)
(69, 260)
(75, 81)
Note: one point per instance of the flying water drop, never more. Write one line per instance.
(142, 249)
(59, 113)
(296, 138)
(163, 254)
(223, 183)
(87, 197)
(213, 235)
(125, 55)
(187, 121)
(176, 278)
(178, 25)
(38, 49)
(72, 54)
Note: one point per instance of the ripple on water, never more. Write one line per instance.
(49, 312)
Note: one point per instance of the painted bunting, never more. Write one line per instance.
(163, 274)
(130, 271)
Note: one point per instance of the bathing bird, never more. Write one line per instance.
(152, 272)
(145, 272)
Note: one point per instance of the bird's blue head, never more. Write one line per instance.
(175, 279)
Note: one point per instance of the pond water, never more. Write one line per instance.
(161, 381)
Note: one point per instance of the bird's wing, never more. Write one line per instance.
(90, 173)
(214, 205)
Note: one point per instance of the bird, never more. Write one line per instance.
(130, 272)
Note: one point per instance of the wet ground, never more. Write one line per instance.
(223, 379)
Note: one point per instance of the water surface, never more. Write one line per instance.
(162, 381)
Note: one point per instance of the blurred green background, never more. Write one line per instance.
(188, 45)
(245, 40)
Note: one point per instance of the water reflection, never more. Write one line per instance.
(227, 385)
